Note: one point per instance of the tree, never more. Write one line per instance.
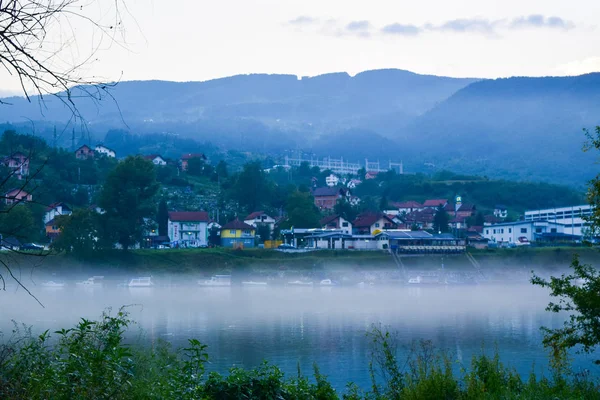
(251, 189)
(301, 210)
(441, 220)
(264, 232)
(127, 198)
(578, 292)
(19, 223)
(221, 170)
(214, 236)
(37, 39)
(78, 232)
(163, 218)
(196, 166)
(344, 209)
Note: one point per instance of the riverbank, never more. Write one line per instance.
(205, 262)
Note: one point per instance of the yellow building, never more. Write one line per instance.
(237, 234)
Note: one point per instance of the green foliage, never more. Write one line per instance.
(263, 231)
(346, 210)
(441, 220)
(79, 232)
(127, 197)
(301, 210)
(18, 221)
(250, 188)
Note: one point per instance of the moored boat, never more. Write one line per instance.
(216, 280)
(145, 281)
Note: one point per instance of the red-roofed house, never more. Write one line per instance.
(188, 228)
(84, 152)
(18, 163)
(420, 218)
(336, 222)
(56, 209)
(260, 218)
(407, 206)
(327, 197)
(369, 222)
(237, 234)
(15, 196)
(435, 203)
(187, 157)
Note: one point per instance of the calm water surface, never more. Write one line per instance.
(291, 326)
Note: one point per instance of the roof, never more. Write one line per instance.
(523, 223)
(81, 147)
(254, 215)
(238, 225)
(467, 207)
(152, 156)
(10, 241)
(500, 207)
(491, 219)
(188, 216)
(104, 147)
(330, 235)
(435, 202)
(328, 219)
(407, 235)
(367, 219)
(19, 191)
(407, 204)
(188, 156)
(425, 215)
(56, 205)
(326, 191)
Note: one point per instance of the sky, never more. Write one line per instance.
(199, 40)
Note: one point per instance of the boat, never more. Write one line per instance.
(216, 280)
(414, 281)
(145, 281)
(299, 283)
(90, 282)
(326, 282)
(53, 284)
(253, 283)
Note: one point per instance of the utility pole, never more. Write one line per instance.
(73, 140)
(54, 138)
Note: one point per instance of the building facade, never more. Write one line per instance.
(100, 149)
(56, 209)
(237, 234)
(18, 163)
(336, 222)
(520, 232)
(572, 218)
(188, 228)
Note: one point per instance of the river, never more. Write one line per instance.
(291, 326)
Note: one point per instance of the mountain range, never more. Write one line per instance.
(523, 128)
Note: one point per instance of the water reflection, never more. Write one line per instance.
(293, 326)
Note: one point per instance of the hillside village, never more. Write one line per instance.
(199, 203)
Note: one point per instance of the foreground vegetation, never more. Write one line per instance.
(92, 361)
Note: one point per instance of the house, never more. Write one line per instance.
(500, 211)
(100, 149)
(336, 222)
(435, 203)
(371, 175)
(421, 242)
(84, 152)
(353, 183)
(574, 218)
(406, 207)
(491, 220)
(369, 222)
(332, 180)
(476, 240)
(327, 197)
(260, 218)
(423, 219)
(187, 157)
(55, 209)
(237, 234)
(458, 222)
(466, 210)
(156, 159)
(9, 243)
(52, 230)
(18, 163)
(15, 196)
(520, 232)
(188, 228)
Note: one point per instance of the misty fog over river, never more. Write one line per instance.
(300, 325)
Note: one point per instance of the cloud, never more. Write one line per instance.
(358, 26)
(468, 25)
(539, 21)
(579, 67)
(303, 20)
(401, 30)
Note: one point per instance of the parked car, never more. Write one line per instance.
(286, 247)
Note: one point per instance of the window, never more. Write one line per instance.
(487, 231)
(538, 230)
(553, 230)
(494, 231)
(376, 224)
(246, 231)
(502, 230)
(344, 224)
(523, 230)
(232, 231)
(509, 230)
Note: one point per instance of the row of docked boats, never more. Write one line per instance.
(225, 280)
(98, 281)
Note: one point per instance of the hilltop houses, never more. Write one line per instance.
(435, 203)
(327, 197)
(188, 228)
(185, 158)
(156, 159)
(101, 149)
(18, 164)
(258, 218)
(84, 152)
(332, 180)
(15, 196)
(56, 209)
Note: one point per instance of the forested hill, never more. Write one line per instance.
(325, 100)
(522, 128)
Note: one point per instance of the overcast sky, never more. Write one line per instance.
(198, 40)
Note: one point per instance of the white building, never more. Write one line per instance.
(336, 222)
(353, 183)
(260, 218)
(188, 228)
(56, 209)
(570, 217)
(500, 211)
(156, 159)
(520, 231)
(105, 150)
(332, 180)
